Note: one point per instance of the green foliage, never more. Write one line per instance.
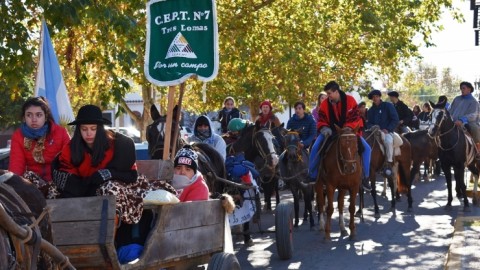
(269, 49)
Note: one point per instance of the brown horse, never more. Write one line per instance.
(340, 169)
(401, 178)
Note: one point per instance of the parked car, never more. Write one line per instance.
(131, 132)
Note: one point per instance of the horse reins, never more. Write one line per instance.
(437, 138)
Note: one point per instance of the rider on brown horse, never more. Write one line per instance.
(384, 115)
(339, 109)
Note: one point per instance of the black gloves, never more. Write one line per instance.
(101, 176)
(70, 185)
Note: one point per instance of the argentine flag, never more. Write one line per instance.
(49, 82)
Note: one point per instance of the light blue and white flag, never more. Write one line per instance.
(49, 82)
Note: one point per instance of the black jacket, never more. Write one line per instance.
(224, 117)
(404, 113)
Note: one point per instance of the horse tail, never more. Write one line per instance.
(403, 182)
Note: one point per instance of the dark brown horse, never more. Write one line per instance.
(424, 151)
(294, 170)
(258, 145)
(400, 180)
(340, 169)
(155, 134)
(455, 150)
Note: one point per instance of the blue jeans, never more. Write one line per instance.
(315, 157)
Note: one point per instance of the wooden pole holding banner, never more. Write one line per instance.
(177, 119)
(168, 131)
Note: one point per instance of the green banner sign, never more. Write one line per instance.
(182, 40)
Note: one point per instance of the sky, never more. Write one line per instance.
(455, 46)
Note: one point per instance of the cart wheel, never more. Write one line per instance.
(284, 230)
(223, 261)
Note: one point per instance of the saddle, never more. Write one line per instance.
(397, 143)
(470, 148)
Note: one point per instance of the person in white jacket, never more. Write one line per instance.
(203, 132)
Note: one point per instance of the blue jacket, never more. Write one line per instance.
(383, 115)
(309, 127)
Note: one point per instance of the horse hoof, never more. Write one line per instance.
(377, 215)
(327, 240)
(448, 207)
(475, 201)
(344, 233)
(384, 194)
(399, 199)
(466, 209)
(248, 243)
(358, 214)
(410, 209)
(352, 238)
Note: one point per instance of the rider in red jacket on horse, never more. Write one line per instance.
(339, 109)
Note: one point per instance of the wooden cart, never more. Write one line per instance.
(183, 235)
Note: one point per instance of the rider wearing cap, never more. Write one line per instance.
(465, 111)
(384, 115)
(405, 115)
(340, 109)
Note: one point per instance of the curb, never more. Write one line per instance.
(462, 253)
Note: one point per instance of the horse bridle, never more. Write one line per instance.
(263, 154)
(295, 146)
(156, 147)
(342, 159)
(437, 136)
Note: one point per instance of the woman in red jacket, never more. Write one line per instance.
(36, 143)
(102, 162)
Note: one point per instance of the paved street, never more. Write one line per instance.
(418, 240)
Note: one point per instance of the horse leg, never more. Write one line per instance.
(448, 178)
(277, 191)
(308, 197)
(328, 228)
(374, 196)
(267, 193)
(321, 205)
(416, 170)
(384, 192)
(392, 183)
(351, 208)
(247, 237)
(475, 182)
(341, 220)
(296, 204)
(459, 181)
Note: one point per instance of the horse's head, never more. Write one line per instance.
(155, 132)
(347, 148)
(292, 142)
(440, 116)
(263, 140)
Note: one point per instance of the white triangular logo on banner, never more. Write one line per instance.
(180, 48)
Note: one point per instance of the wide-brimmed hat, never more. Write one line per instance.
(393, 94)
(374, 93)
(90, 114)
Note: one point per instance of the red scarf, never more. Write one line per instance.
(265, 118)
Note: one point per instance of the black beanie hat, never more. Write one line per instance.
(186, 156)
